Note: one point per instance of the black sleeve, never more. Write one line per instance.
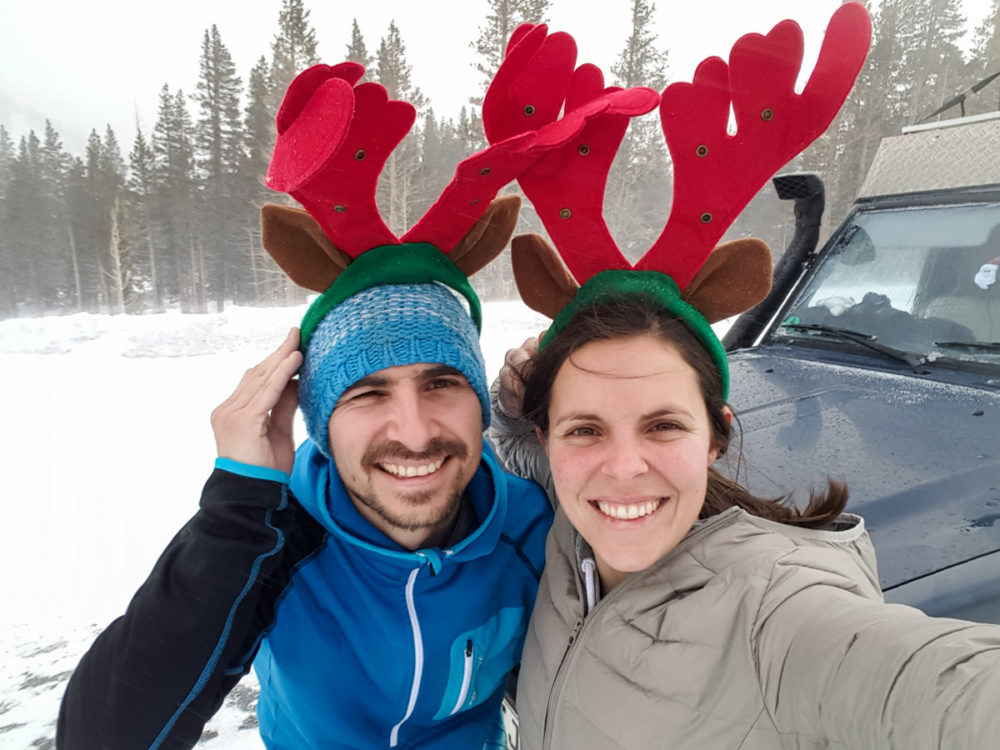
(159, 672)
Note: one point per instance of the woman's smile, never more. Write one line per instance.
(627, 511)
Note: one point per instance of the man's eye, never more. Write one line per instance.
(442, 383)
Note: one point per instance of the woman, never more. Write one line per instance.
(676, 609)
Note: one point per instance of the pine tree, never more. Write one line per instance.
(637, 197)
(174, 206)
(58, 288)
(220, 156)
(141, 195)
(258, 123)
(262, 279)
(8, 301)
(6, 159)
(503, 18)
(95, 234)
(24, 229)
(294, 46)
(985, 61)
(933, 62)
(397, 193)
(357, 51)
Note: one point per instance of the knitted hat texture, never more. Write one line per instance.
(386, 326)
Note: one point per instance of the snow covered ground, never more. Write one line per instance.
(105, 446)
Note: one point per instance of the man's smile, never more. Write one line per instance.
(422, 470)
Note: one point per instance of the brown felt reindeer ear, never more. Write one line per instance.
(736, 276)
(543, 281)
(300, 247)
(488, 236)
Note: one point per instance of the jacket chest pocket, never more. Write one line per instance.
(479, 661)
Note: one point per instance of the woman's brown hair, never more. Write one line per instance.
(635, 315)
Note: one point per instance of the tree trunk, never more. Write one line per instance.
(115, 253)
(76, 269)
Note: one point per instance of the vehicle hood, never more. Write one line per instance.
(921, 457)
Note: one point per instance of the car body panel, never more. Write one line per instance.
(920, 455)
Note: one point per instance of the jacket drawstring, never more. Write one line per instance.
(585, 558)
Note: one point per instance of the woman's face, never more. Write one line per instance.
(629, 444)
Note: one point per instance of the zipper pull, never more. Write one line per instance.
(576, 630)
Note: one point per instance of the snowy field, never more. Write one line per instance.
(106, 446)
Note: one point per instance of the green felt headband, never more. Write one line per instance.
(607, 285)
(410, 263)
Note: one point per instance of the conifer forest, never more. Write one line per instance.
(174, 222)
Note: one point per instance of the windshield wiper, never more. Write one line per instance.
(909, 358)
(984, 346)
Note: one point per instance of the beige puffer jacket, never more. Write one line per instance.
(751, 635)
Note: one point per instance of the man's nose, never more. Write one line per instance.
(413, 423)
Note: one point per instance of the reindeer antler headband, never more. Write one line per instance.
(715, 173)
(334, 138)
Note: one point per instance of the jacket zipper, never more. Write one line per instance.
(418, 660)
(466, 678)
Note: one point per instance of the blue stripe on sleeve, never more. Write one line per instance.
(251, 471)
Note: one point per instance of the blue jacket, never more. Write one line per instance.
(413, 648)
(357, 642)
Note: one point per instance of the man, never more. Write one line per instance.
(379, 579)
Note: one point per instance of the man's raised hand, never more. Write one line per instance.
(254, 425)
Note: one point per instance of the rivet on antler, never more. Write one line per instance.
(706, 217)
(565, 213)
(583, 150)
(340, 209)
(701, 151)
(529, 109)
(767, 115)
(359, 154)
(484, 171)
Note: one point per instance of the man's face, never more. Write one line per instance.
(407, 441)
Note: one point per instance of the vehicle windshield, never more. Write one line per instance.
(920, 280)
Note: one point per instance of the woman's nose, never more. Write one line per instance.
(623, 459)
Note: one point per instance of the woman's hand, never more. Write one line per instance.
(254, 425)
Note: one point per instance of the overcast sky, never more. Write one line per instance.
(86, 63)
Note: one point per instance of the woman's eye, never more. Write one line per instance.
(582, 431)
(665, 426)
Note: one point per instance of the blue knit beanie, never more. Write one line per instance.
(385, 326)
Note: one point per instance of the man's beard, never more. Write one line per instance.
(398, 518)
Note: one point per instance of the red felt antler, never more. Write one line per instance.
(334, 138)
(716, 174)
(566, 186)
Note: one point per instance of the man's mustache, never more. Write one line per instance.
(393, 450)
